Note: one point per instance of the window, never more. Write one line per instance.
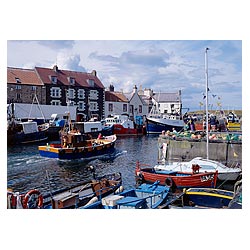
(81, 106)
(91, 82)
(125, 107)
(17, 80)
(93, 94)
(18, 87)
(33, 88)
(54, 79)
(93, 106)
(18, 96)
(140, 108)
(81, 93)
(55, 92)
(55, 102)
(71, 80)
(131, 110)
(71, 93)
(110, 107)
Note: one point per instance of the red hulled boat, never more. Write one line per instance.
(176, 179)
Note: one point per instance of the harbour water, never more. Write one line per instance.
(27, 170)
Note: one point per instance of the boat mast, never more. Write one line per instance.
(206, 76)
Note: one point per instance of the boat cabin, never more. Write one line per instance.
(70, 140)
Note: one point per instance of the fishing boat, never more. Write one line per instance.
(146, 196)
(224, 173)
(208, 197)
(123, 126)
(156, 123)
(176, 179)
(26, 132)
(75, 145)
(85, 193)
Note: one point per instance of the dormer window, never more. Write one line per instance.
(71, 80)
(53, 79)
(17, 80)
(91, 82)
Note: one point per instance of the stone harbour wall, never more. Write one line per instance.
(229, 153)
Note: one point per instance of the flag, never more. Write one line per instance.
(235, 155)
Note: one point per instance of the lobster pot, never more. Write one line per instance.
(64, 200)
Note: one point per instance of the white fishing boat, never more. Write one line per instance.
(224, 173)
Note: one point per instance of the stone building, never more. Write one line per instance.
(54, 86)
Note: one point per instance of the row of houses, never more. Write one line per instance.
(54, 86)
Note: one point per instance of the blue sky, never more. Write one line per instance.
(162, 65)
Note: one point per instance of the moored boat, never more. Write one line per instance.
(176, 179)
(85, 193)
(123, 126)
(224, 173)
(26, 132)
(157, 124)
(208, 197)
(146, 196)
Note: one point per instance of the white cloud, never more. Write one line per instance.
(69, 61)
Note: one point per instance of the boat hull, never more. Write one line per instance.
(209, 197)
(157, 125)
(119, 130)
(177, 179)
(22, 138)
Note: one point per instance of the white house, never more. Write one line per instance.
(137, 106)
(168, 103)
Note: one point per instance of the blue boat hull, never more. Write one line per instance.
(213, 198)
(157, 128)
(67, 154)
(21, 138)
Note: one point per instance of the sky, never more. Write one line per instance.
(162, 65)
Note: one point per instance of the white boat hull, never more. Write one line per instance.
(224, 173)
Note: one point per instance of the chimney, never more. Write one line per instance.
(93, 73)
(135, 89)
(111, 88)
(55, 68)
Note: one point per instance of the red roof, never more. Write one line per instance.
(111, 96)
(64, 75)
(22, 76)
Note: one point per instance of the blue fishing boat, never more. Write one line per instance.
(208, 197)
(26, 132)
(157, 124)
(146, 196)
